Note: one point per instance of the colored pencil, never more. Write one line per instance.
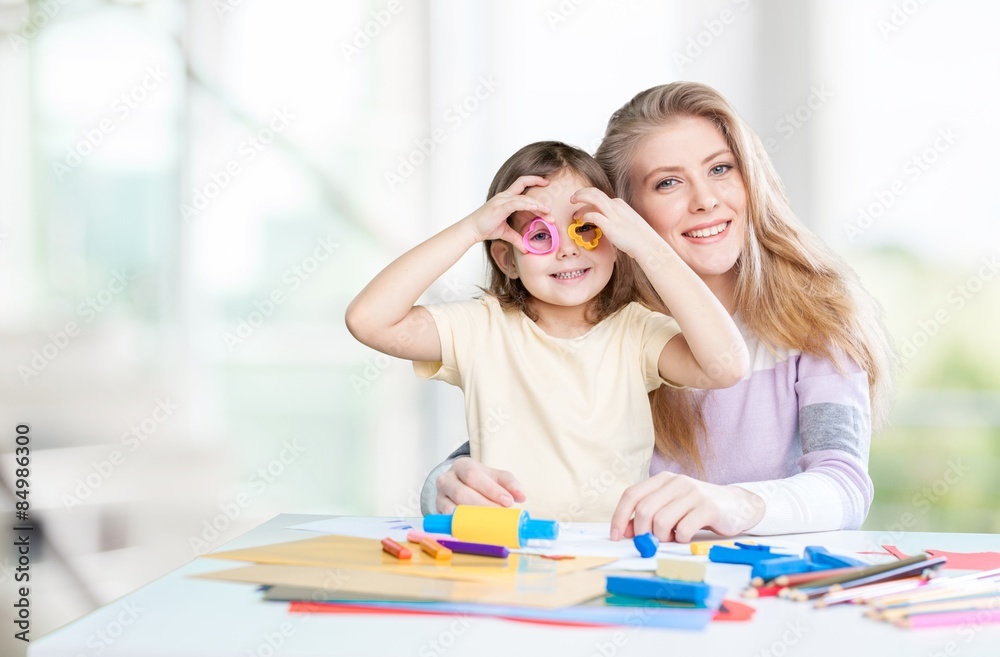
(864, 572)
(859, 594)
(944, 587)
(761, 591)
(804, 578)
(963, 604)
(977, 617)
(936, 593)
(880, 573)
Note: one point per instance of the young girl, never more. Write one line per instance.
(557, 360)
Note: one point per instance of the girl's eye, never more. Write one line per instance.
(720, 169)
(586, 228)
(666, 184)
(540, 237)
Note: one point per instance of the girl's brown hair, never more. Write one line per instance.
(791, 291)
(548, 159)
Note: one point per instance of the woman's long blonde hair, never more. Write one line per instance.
(791, 291)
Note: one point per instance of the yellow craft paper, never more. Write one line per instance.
(335, 551)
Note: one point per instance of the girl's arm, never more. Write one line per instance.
(384, 317)
(710, 352)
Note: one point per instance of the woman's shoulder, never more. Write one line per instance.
(764, 354)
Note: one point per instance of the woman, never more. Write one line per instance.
(786, 449)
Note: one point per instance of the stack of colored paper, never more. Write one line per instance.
(344, 574)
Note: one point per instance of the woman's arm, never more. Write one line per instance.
(832, 489)
(461, 480)
(384, 317)
(710, 352)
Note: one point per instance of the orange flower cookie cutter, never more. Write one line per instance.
(592, 244)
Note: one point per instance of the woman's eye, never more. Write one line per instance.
(720, 169)
(666, 184)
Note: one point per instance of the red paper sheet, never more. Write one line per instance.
(730, 611)
(734, 611)
(958, 560)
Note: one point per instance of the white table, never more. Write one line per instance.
(177, 615)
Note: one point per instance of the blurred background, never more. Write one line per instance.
(192, 191)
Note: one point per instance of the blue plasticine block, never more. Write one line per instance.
(723, 554)
(646, 544)
(823, 560)
(812, 550)
(657, 588)
(752, 546)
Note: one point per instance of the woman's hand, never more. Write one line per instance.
(471, 482)
(490, 221)
(673, 507)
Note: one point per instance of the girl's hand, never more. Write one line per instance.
(673, 507)
(490, 221)
(617, 220)
(471, 482)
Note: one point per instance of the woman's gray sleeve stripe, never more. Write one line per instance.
(835, 426)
